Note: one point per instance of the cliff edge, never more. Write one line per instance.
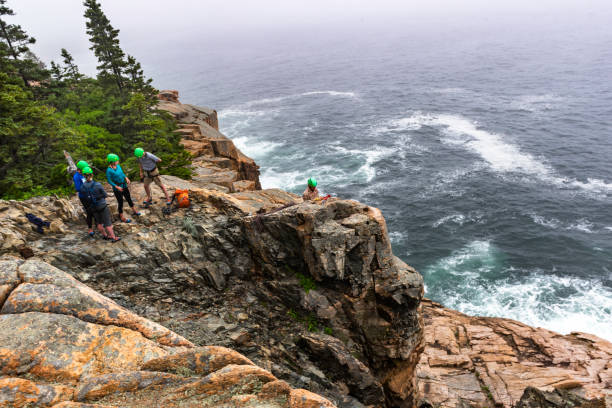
(248, 299)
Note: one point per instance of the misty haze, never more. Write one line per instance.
(481, 130)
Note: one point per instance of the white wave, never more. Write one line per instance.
(500, 155)
(608, 228)
(456, 218)
(275, 177)
(587, 308)
(465, 280)
(310, 128)
(545, 222)
(371, 156)
(233, 122)
(272, 177)
(451, 90)
(537, 103)
(475, 259)
(460, 219)
(397, 125)
(591, 185)
(255, 148)
(396, 237)
(351, 95)
(274, 100)
(582, 224)
(233, 112)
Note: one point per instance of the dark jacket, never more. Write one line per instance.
(98, 193)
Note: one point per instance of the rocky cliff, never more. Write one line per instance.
(250, 298)
(216, 159)
(484, 361)
(311, 292)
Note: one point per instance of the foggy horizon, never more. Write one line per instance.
(158, 27)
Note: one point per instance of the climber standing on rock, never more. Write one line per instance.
(311, 192)
(149, 172)
(121, 183)
(78, 178)
(95, 196)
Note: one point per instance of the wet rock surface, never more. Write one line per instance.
(481, 361)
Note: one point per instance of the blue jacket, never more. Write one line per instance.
(78, 180)
(115, 177)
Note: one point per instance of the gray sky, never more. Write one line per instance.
(149, 23)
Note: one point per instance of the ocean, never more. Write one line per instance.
(487, 149)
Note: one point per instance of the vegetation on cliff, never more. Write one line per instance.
(44, 111)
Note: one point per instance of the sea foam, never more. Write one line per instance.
(501, 155)
(277, 99)
(473, 280)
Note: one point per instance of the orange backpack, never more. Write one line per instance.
(182, 198)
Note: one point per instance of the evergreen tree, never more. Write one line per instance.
(137, 80)
(71, 70)
(105, 44)
(14, 50)
(33, 138)
(66, 110)
(57, 73)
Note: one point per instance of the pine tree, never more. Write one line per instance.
(14, 49)
(105, 44)
(57, 73)
(71, 70)
(137, 80)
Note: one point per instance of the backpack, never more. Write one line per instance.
(89, 195)
(182, 198)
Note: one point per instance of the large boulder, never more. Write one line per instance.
(63, 344)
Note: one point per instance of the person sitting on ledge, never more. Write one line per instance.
(311, 192)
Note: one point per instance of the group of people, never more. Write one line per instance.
(93, 196)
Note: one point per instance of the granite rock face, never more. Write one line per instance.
(284, 271)
(367, 295)
(536, 398)
(215, 157)
(481, 361)
(63, 344)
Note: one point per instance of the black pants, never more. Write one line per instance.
(119, 195)
(88, 212)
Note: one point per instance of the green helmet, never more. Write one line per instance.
(112, 157)
(81, 164)
(312, 182)
(87, 170)
(138, 152)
